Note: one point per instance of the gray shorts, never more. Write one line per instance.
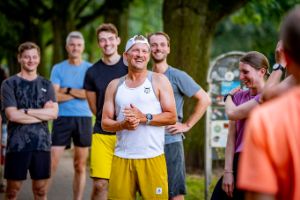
(176, 168)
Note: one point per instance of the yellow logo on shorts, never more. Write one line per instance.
(158, 190)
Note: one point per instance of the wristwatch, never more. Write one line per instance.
(149, 118)
(278, 66)
(26, 111)
(68, 90)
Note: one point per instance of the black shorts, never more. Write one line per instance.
(78, 128)
(18, 163)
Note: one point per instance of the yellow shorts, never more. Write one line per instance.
(102, 151)
(148, 176)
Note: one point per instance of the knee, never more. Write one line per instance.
(39, 191)
(79, 167)
(100, 186)
(12, 192)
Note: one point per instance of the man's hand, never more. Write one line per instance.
(132, 111)
(130, 123)
(178, 128)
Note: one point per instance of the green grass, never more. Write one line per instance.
(196, 187)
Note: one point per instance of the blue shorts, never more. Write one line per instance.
(176, 168)
(18, 163)
(66, 128)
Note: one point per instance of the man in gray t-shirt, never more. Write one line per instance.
(183, 85)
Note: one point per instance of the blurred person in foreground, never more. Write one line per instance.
(270, 163)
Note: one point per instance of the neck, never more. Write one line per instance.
(137, 75)
(258, 89)
(160, 67)
(75, 61)
(28, 75)
(111, 60)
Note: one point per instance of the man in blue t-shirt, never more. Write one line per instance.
(74, 118)
(183, 85)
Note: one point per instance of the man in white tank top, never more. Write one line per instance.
(137, 107)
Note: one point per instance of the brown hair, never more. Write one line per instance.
(27, 46)
(159, 33)
(108, 27)
(256, 60)
(290, 34)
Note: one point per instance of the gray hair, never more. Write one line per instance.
(74, 34)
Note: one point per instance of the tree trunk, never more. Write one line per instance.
(191, 25)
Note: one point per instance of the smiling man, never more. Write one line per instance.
(109, 67)
(75, 118)
(183, 85)
(137, 107)
(29, 102)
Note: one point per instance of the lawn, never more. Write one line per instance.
(196, 187)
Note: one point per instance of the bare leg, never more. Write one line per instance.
(39, 188)
(56, 153)
(80, 158)
(12, 190)
(178, 197)
(100, 189)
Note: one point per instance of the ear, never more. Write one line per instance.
(118, 40)
(263, 71)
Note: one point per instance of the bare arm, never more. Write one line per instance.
(92, 100)
(203, 101)
(108, 122)
(76, 93)
(275, 89)
(273, 86)
(48, 112)
(17, 115)
(228, 179)
(61, 96)
(258, 196)
(241, 111)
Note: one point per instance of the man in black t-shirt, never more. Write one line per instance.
(109, 67)
(29, 102)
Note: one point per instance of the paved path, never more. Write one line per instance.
(62, 184)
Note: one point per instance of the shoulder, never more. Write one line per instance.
(60, 65)
(94, 67)
(44, 80)
(158, 77)
(86, 64)
(178, 73)
(112, 86)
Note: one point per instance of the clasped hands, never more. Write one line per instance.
(132, 117)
